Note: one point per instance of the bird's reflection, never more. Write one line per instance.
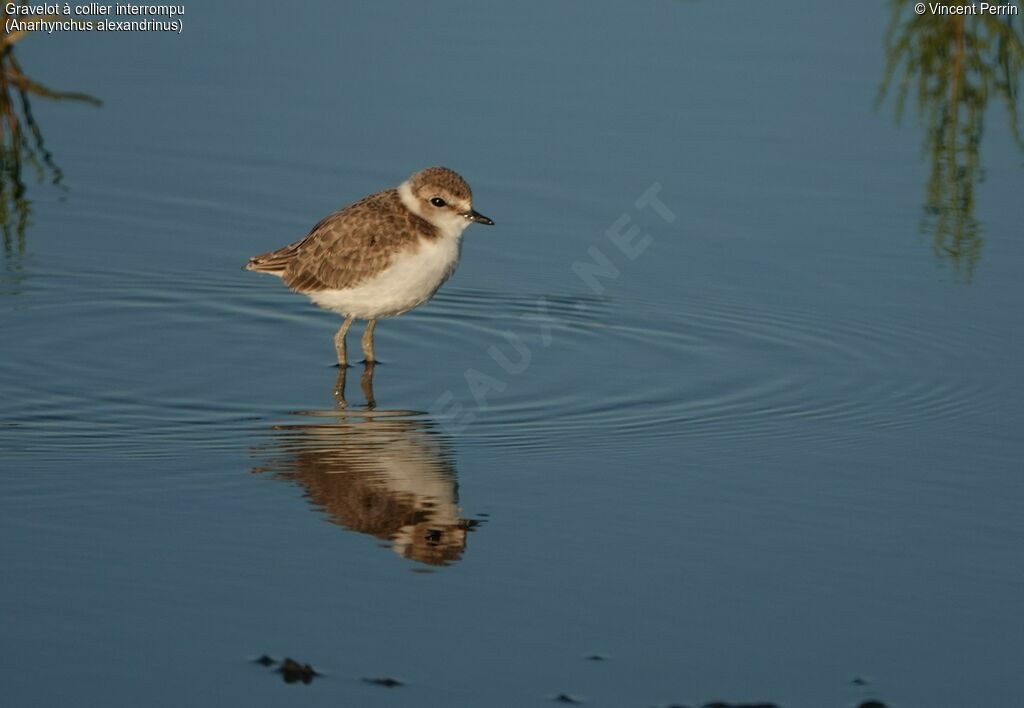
(955, 64)
(22, 147)
(388, 474)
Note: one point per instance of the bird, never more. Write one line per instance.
(381, 256)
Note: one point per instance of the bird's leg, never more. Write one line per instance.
(339, 341)
(368, 342)
(367, 383)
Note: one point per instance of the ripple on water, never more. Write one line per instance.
(713, 371)
(612, 374)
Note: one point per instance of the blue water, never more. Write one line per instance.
(772, 448)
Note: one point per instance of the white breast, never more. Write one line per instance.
(412, 278)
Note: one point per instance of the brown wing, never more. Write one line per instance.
(348, 246)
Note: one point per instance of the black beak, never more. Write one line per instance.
(474, 215)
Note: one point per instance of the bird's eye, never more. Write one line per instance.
(438, 202)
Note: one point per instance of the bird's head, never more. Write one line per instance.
(443, 198)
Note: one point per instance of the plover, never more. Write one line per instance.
(383, 255)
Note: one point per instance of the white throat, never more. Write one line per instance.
(450, 224)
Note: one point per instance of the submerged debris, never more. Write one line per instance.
(385, 681)
(293, 672)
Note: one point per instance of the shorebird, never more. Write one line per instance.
(383, 255)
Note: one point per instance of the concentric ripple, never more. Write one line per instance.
(158, 364)
(710, 371)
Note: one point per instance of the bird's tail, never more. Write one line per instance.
(274, 262)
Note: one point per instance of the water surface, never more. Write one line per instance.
(773, 451)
